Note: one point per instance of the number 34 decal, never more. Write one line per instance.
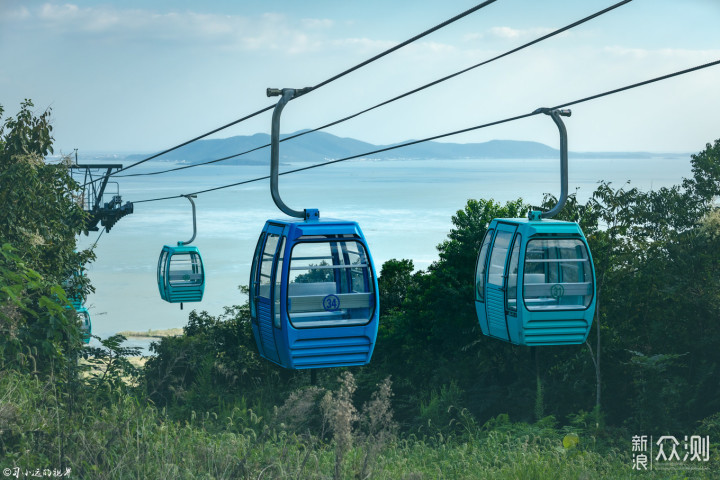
(331, 303)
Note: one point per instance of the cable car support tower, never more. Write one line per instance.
(95, 178)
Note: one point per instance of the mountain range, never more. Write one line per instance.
(322, 146)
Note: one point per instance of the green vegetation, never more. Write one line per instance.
(127, 439)
(39, 217)
(438, 401)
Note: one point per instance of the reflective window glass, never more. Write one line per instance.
(330, 284)
(512, 277)
(253, 276)
(496, 269)
(278, 281)
(480, 268)
(266, 263)
(185, 269)
(161, 268)
(557, 275)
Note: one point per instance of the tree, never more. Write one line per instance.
(214, 363)
(429, 340)
(39, 218)
(394, 281)
(657, 261)
(41, 213)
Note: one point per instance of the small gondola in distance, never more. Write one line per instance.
(77, 303)
(85, 323)
(180, 270)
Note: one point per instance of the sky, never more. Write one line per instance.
(142, 76)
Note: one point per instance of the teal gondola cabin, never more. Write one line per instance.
(535, 282)
(180, 274)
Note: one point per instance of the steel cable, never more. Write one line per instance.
(319, 85)
(386, 102)
(456, 132)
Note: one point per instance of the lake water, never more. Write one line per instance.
(403, 206)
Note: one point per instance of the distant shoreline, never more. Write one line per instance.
(322, 145)
(170, 332)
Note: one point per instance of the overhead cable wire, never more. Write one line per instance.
(406, 42)
(456, 132)
(98, 238)
(319, 85)
(640, 84)
(408, 93)
(330, 162)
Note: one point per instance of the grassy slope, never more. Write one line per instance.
(127, 439)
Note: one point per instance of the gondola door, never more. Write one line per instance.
(497, 281)
(267, 306)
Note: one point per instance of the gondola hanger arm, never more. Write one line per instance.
(190, 197)
(285, 94)
(555, 114)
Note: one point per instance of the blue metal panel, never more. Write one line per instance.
(331, 347)
(334, 351)
(494, 293)
(329, 226)
(514, 329)
(315, 347)
(482, 317)
(265, 327)
(496, 313)
(545, 226)
(557, 328)
(329, 229)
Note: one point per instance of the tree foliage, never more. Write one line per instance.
(651, 356)
(649, 361)
(39, 219)
(213, 363)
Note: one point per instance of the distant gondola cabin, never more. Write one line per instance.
(180, 274)
(85, 323)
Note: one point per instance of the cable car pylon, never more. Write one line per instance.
(93, 196)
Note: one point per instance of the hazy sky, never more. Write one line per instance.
(137, 75)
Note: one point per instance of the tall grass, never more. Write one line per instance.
(129, 439)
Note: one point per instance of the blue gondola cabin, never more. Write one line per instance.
(313, 294)
(535, 282)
